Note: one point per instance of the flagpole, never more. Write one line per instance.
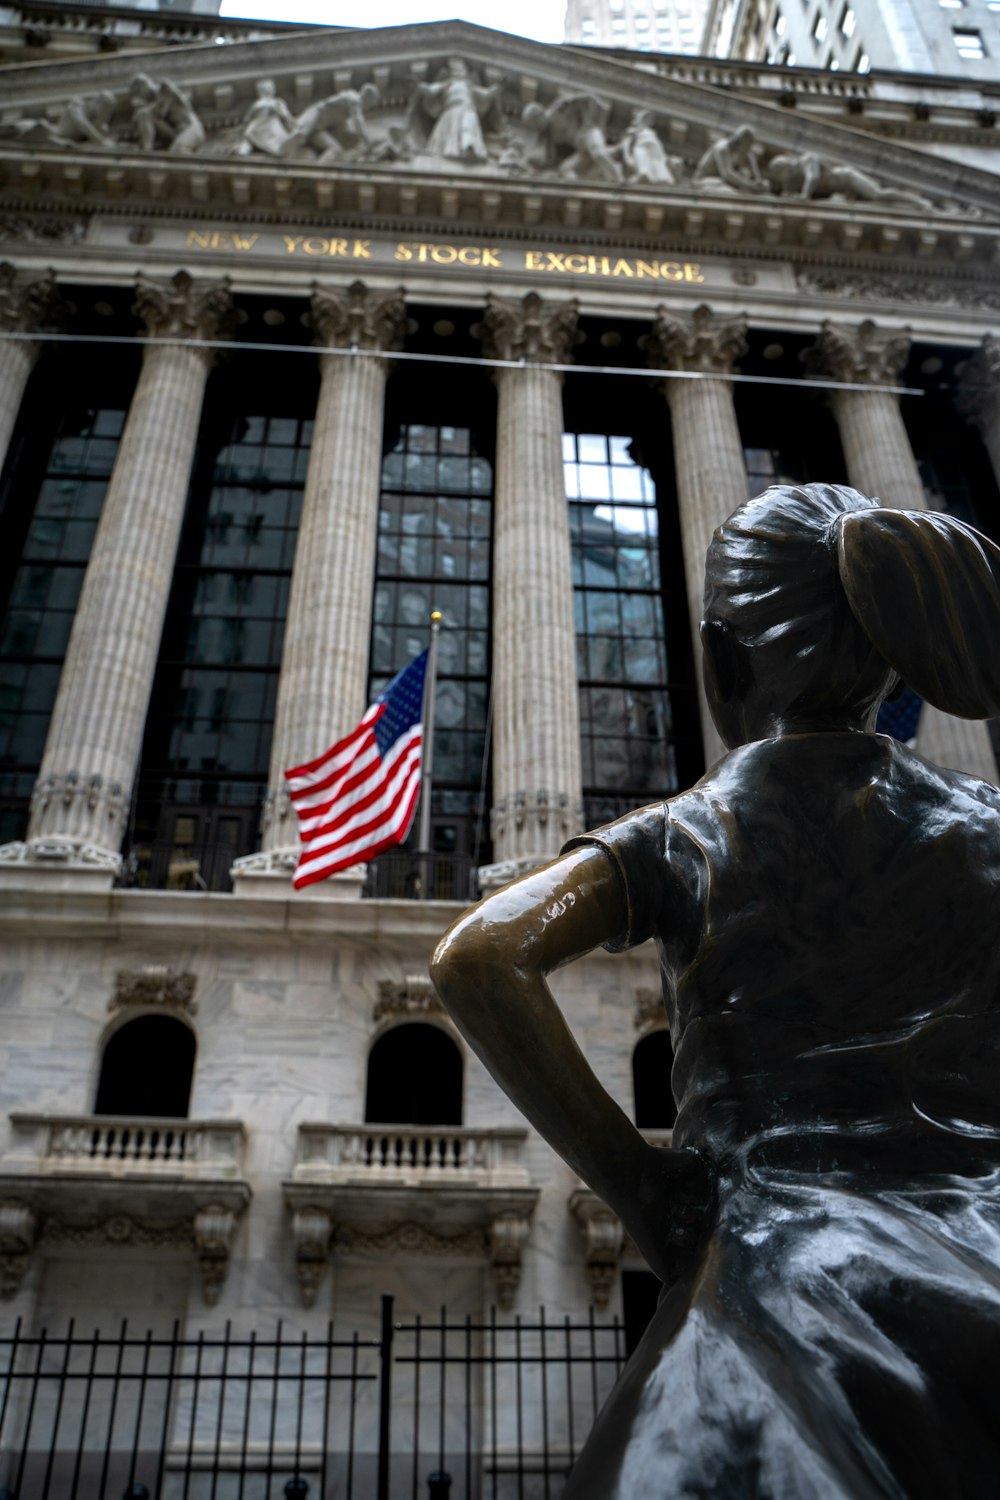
(427, 759)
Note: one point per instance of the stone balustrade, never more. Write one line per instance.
(364, 1187)
(119, 1144)
(410, 1153)
(115, 1181)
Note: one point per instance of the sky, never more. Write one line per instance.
(540, 19)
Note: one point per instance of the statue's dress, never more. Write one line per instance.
(827, 912)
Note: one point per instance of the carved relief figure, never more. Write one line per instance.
(456, 105)
(84, 120)
(334, 128)
(642, 151)
(806, 175)
(164, 116)
(825, 904)
(733, 162)
(576, 122)
(268, 124)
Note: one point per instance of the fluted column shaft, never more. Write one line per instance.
(95, 737)
(709, 465)
(27, 305)
(324, 666)
(881, 464)
(536, 716)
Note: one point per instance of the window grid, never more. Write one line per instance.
(215, 698)
(46, 586)
(621, 645)
(434, 542)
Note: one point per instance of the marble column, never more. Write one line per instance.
(708, 451)
(979, 396)
(537, 799)
(81, 797)
(324, 666)
(28, 304)
(880, 463)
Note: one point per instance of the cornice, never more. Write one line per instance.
(226, 192)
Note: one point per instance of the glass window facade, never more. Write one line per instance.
(434, 544)
(621, 644)
(48, 542)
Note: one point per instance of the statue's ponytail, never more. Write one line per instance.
(926, 591)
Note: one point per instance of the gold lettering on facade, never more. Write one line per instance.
(472, 257)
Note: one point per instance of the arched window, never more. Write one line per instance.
(414, 1078)
(147, 1068)
(652, 1061)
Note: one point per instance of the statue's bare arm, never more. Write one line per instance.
(490, 970)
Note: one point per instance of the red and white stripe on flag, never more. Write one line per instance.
(359, 798)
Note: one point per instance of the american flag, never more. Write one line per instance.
(359, 798)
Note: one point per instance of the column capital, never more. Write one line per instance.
(184, 308)
(30, 303)
(979, 388)
(530, 329)
(701, 340)
(863, 354)
(359, 317)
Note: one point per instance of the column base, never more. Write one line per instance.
(269, 873)
(58, 863)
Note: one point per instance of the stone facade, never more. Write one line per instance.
(352, 238)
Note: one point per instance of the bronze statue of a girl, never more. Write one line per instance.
(825, 904)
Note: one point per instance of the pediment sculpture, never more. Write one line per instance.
(334, 129)
(462, 121)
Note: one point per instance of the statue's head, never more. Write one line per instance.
(780, 641)
(266, 88)
(819, 601)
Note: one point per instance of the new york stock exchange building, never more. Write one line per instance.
(306, 335)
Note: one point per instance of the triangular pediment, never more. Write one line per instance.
(459, 101)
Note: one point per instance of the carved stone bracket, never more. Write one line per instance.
(30, 303)
(979, 392)
(862, 355)
(214, 1227)
(359, 318)
(406, 998)
(18, 1232)
(312, 1232)
(508, 1235)
(154, 984)
(184, 308)
(701, 341)
(603, 1241)
(532, 330)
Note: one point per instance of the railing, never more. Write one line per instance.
(60, 1143)
(404, 876)
(463, 1407)
(171, 867)
(352, 1153)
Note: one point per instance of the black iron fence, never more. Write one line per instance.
(423, 1409)
(406, 876)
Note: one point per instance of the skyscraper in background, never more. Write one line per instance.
(640, 25)
(949, 37)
